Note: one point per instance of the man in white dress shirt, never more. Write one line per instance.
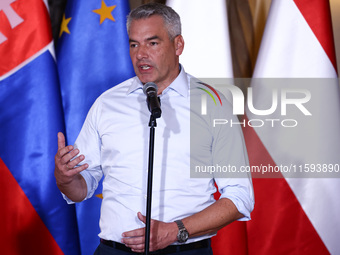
(114, 143)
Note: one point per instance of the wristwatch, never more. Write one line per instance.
(183, 234)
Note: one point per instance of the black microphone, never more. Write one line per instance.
(150, 90)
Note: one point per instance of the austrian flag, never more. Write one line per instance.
(297, 214)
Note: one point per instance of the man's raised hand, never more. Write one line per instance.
(66, 171)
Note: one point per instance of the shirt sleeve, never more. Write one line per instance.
(230, 153)
(240, 192)
(89, 144)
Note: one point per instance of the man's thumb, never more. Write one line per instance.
(141, 217)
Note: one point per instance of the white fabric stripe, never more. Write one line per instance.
(49, 47)
(290, 49)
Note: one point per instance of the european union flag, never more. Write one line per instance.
(93, 56)
(34, 218)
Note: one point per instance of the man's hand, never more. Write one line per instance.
(161, 235)
(66, 173)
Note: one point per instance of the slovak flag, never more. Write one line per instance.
(34, 218)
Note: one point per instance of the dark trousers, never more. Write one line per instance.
(103, 249)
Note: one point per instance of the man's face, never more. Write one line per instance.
(154, 57)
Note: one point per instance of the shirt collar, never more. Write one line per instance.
(135, 85)
(180, 84)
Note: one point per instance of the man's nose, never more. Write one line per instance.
(142, 52)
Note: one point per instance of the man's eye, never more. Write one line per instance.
(154, 43)
(133, 45)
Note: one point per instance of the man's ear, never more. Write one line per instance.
(179, 44)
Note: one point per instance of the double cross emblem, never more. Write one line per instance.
(13, 18)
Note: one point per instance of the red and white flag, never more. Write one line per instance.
(297, 213)
(34, 218)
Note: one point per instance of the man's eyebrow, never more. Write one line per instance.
(153, 38)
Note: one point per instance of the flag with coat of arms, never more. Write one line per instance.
(34, 218)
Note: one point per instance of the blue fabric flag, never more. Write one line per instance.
(34, 218)
(92, 56)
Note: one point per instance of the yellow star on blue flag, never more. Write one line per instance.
(64, 26)
(91, 59)
(105, 12)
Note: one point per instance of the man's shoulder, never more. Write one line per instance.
(122, 87)
(113, 94)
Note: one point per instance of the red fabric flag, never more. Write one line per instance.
(34, 218)
(297, 215)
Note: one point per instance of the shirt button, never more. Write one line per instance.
(145, 196)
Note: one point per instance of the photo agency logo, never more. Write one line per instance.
(206, 89)
(267, 103)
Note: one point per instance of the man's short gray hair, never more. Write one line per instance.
(171, 19)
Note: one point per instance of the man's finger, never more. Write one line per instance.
(74, 162)
(134, 233)
(133, 241)
(67, 154)
(61, 140)
(137, 248)
(77, 170)
(141, 217)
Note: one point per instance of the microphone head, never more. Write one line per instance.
(150, 86)
(153, 101)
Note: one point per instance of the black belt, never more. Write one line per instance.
(168, 250)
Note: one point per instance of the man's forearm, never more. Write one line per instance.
(76, 190)
(213, 218)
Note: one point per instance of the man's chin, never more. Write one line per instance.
(144, 81)
(145, 78)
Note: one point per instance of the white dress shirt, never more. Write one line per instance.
(115, 142)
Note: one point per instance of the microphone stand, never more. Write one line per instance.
(152, 125)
